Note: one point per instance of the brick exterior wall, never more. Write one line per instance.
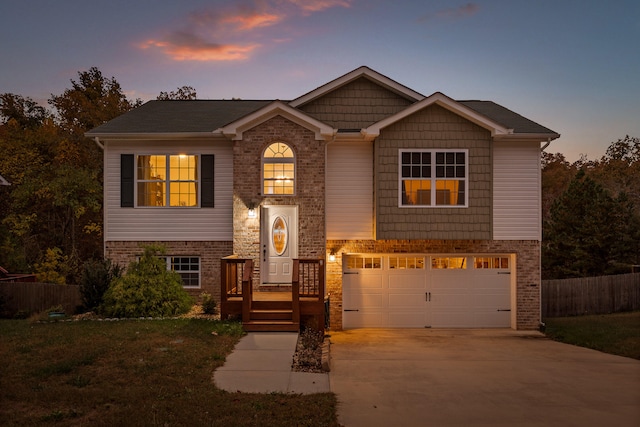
(309, 188)
(527, 256)
(210, 253)
(433, 127)
(356, 105)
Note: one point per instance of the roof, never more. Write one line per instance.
(178, 116)
(181, 117)
(4, 181)
(506, 117)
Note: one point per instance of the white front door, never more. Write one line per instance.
(279, 243)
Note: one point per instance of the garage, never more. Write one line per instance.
(426, 290)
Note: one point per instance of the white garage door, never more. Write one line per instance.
(417, 291)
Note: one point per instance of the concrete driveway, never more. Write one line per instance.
(424, 377)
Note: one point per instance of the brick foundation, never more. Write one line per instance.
(210, 253)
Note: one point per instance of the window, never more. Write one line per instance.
(278, 169)
(491, 262)
(188, 268)
(167, 180)
(433, 178)
(403, 262)
(449, 263)
(366, 262)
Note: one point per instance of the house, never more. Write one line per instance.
(423, 211)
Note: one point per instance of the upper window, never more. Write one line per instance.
(167, 180)
(433, 178)
(278, 169)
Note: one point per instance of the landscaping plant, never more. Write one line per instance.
(147, 289)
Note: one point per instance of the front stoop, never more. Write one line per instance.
(274, 316)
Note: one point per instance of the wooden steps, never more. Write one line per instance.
(275, 316)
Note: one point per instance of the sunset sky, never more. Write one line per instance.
(573, 66)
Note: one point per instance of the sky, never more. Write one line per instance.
(570, 65)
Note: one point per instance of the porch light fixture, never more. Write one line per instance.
(332, 256)
(251, 213)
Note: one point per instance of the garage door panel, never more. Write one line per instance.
(365, 301)
(407, 320)
(407, 281)
(451, 319)
(365, 320)
(492, 319)
(397, 301)
(369, 281)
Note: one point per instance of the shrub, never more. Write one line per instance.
(209, 305)
(148, 289)
(96, 277)
(54, 267)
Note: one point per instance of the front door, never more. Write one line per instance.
(279, 241)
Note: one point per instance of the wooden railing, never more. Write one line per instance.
(232, 271)
(236, 285)
(308, 275)
(307, 290)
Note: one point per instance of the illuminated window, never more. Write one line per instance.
(433, 178)
(278, 169)
(449, 263)
(167, 180)
(403, 262)
(364, 262)
(491, 262)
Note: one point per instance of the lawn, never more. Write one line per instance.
(135, 373)
(610, 333)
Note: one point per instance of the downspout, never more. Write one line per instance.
(546, 145)
(104, 197)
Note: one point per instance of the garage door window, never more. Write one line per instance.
(406, 262)
(448, 263)
(491, 263)
(366, 262)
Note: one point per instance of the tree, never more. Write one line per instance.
(26, 112)
(183, 93)
(588, 233)
(557, 173)
(56, 197)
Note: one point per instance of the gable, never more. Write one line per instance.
(356, 105)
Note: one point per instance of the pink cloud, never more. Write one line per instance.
(232, 34)
(320, 5)
(181, 46)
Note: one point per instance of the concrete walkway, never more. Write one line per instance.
(261, 363)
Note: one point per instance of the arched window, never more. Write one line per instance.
(278, 169)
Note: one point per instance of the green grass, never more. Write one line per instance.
(610, 333)
(142, 373)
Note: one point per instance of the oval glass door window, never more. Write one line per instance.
(279, 235)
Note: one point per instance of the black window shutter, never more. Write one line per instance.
(126, 180)
(206, 180)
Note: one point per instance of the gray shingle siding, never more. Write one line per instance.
(433, 127)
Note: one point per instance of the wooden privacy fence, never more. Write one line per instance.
(30, 298)
(590, 295)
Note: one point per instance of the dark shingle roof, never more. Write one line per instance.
(156, 117)
(179, 116)
(506, 117)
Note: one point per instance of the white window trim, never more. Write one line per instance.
(168, 259)
(433, 179)
(167, 181)
(275, 160)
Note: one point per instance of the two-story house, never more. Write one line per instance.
(425, 210)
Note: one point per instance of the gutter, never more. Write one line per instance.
(98, 143)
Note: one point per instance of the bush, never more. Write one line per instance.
(96, 277)
(148, 289)
(209, 305)
(54, 267)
